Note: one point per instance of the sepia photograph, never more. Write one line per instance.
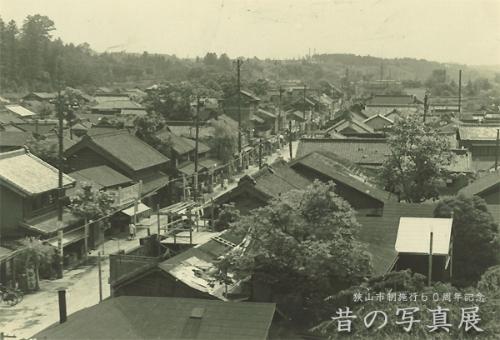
(249, 169)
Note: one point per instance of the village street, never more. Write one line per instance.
(39, 310)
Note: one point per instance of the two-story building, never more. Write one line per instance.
(126, 154)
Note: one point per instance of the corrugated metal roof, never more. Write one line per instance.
(138, 317)
(414, 235)
(19, 110)
(29, 174)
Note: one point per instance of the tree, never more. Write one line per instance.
(34, 255)
(406, 283)
(147, 128)
(228, 215)
(91, 204)
(301, 248)
(224, 143)
(475, 242)
(417, 163)
(45, 149)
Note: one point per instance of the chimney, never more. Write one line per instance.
(62, 306)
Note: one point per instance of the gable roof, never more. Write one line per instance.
(182, 145)
(141, 317)
(102, 175)
(338, 172)
(352, 123)
(379, 116)
(366, 151)
(19, 110)
(482, 184)
(29, 175)
(124, 147)
(276, 179)
(414, 235)
(379, 233)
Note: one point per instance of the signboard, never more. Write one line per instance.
(128, 194)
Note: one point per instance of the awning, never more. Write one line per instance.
(69, 237)
(141, 207)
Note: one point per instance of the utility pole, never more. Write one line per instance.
(429, 275)
(60, 183)
(426, 105)
(459, 91)
(497, 149)
(197, 131)
(238, 69)
(100, 275)
(260, 153)
(290, 139)
(279, 109)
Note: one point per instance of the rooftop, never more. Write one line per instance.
(29, 175)
(482, 184)
(488, 133)
(101, 175)
(366, 151)
(137, 317)
(328, 166)
(19, 110)
(14, 138)
(124, 147)
(182, 145)
(414, 235)
(390, 100)
(379, 233)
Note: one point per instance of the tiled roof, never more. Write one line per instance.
(379, 116)
(387, 100)
(182, 145)
(45, 95)
(154, 181)
(278, 178)
(478, 132)
(379, 233)
(102, 175)
(482, 184)
(124, 147)
(367, 151)
(140, 317)
(353, 123)
(338, 172)
(14, 138)
(28, 174)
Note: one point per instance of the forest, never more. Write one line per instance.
(32, 58)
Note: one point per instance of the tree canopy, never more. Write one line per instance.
(416, 165)
(475, 237)
(301, 249)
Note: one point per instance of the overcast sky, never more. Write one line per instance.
(463, 31)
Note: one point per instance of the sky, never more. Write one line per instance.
(461, 31)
